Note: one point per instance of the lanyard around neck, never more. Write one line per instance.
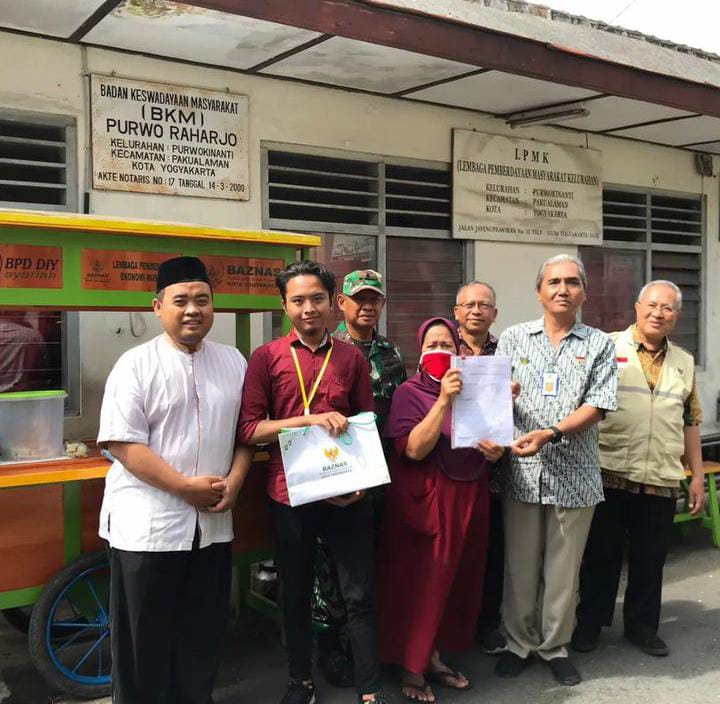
(307, 400)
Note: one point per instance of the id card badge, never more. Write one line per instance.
(550, 384)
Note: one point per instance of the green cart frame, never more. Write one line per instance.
(53, 568)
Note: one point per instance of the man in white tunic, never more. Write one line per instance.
(169, 416)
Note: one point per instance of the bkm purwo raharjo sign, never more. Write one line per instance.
(157, 138)
(520, 190)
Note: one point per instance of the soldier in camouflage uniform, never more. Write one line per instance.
(362, 300)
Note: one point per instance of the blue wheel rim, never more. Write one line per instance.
(89, 631)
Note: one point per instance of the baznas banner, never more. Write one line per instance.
(520, 190)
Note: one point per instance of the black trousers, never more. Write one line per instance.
(348, 537)
(169, 612)
(494, 569)
(643, 524)
(329, 605)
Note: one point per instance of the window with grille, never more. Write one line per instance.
(361, 195)
(647, 235)
(30, 350)
(417, 198)
(423, 278)
(376, 212)
(319, 189)
(36, 159)
(38, 350)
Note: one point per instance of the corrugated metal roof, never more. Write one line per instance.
(572, 33)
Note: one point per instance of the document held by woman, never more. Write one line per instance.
(483, 410)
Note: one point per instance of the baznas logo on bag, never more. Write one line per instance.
(318, 466)
(332, 452)
(336, 465)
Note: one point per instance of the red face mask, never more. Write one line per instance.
(436, 363)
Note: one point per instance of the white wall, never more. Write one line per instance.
(513, 277)
(49, 76)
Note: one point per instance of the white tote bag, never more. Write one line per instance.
(319, 466)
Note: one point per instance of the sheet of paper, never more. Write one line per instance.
(483, 410)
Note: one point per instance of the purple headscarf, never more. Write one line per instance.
(413, 400)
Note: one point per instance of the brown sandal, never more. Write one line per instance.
(417, 690)
(445, 679)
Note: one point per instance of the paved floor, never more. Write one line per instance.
(253, 670)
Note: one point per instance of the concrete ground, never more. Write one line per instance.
(253, 670)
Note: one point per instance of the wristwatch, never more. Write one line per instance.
(557, 434)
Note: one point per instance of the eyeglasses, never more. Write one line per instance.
(662, 307)
(481, 305)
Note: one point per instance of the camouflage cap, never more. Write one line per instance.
(362, 279)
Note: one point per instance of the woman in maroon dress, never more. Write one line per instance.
(431, 557)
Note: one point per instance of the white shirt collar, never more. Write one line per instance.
(304, 344)
(179, 347)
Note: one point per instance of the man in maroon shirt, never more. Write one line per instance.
(336, 380)
(475, 311)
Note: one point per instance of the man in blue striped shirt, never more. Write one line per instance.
(568, 377)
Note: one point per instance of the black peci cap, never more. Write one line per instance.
(179, 270)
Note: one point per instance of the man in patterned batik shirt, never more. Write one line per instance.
(568, 379)
(362, 300)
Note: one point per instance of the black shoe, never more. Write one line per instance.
(337, 668)
(492, 642)
(585, 638)
(299, 693)
(652, 645)
(510, 665)
(564, 671)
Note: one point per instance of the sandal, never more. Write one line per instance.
(445, 678)
(416, 691)
(377, 698)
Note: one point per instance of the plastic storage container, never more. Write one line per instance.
(31, 425)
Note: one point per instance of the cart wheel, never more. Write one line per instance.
(69, 637)
(18, 618)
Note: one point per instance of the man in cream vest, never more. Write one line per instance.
(642, 449)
